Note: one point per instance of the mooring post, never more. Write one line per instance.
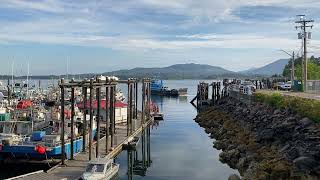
(148, 146)
(149, 99)
(131, 106)
(107, 119)
(114, 108)
(91, 119)
(98, 94)
(143, 121)
(62, 123)
(112, 114)
(128, 107)
(218, 93)
(84, 130)
(143, 102)
(9, 95)
(214, 90)
(72, 123)
(136, 99)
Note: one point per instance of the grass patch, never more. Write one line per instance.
(306, 107)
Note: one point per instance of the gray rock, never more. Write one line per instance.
(234, 177)
(305, 122)
(305, 163)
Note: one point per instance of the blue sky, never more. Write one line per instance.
(104, 35)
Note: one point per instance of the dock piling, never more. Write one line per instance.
(72, 123)
(91, 119)
(107, 119)
(84, 129)
(62, 123)
(98, 94)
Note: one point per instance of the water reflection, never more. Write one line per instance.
(180, 149)
(138, 165)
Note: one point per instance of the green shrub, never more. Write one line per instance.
(306, 107)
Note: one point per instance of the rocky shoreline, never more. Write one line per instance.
(263, 142)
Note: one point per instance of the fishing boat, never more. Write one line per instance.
(158, 88)
(23, 139)
(100, 169)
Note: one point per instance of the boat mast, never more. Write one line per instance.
(28, 81)
(12, 67)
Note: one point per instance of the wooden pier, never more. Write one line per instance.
(118, 134)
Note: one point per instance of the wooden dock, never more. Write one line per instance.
(73, 169)
(118, 134)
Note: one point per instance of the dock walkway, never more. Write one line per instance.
(74, 168)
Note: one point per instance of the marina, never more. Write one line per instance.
(159, 90)
(81, 131)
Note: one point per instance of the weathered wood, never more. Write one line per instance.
(72, 123)
(84, 129)
(98, 92)
(62, 123)
(91, 119)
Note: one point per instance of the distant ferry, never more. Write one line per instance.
(158, 88)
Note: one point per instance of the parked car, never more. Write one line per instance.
(284, 85)
(247, 87)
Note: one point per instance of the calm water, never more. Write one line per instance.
(180, 149)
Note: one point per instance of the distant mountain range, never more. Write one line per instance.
(178, 71)
(182, 71)
(275, 67)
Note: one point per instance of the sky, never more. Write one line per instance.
(81, 36)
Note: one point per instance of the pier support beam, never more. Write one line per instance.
(84, 129)
(129, 108)
(107, 119)
(112, 113)
(98, 92)
(72, 123)
(136, 99)
(91, 119)
(62, 123)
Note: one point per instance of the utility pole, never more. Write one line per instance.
(304, 35)
(292, 68)
(292, 64)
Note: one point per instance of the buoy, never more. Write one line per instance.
(40, 149)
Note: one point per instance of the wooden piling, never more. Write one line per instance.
(62, 123)
(136, 99)
(128, 107)
(84, 129)
(72, 124)
(131, 94)
(98, 94)
(91, 119)
(112, 114)
(107, 119)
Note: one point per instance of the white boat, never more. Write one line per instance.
(100, 169)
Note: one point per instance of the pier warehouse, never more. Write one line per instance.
(120, 109)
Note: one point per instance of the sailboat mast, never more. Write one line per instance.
(12, 67)
(28, 81)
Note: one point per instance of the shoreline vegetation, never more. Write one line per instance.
(265, 140)
(309, 108)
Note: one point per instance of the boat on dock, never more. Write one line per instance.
(155, 112)
(100, 169)
(26, 135)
